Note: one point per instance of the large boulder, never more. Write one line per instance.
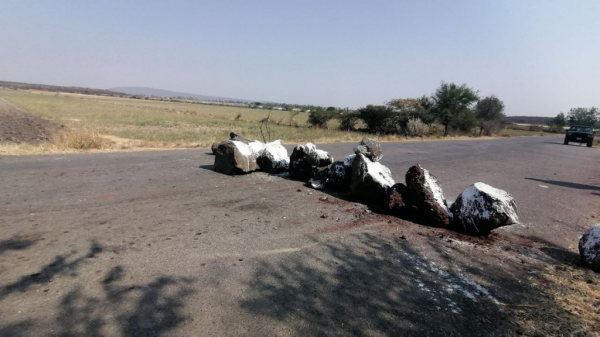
(349, 160)
(305, 158)
(369, 148)
(274, 158)
(234, 157)
(239, 138)
(589, 247)
(339, 176)
(398, 199)
(370, 180)
(482, 208)
(427, 195)
(232, 136)
(319, 178)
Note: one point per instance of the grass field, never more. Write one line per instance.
(131, 123)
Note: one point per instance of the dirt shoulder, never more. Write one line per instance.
(18, 126)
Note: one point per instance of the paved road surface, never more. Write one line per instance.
(156, 243)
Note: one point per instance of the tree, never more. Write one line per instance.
(584, 116)
(347, 119)
(558, 123)
(379, 118)
(489, 111)
(319, 117)
(409, 108)
(450, 102)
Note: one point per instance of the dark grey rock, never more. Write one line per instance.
(426, 194)
(370, 180)
(370, 148)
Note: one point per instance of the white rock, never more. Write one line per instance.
(482, 208)
(589, 247)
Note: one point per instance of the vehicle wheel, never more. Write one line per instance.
(589, 144)
(566, 141)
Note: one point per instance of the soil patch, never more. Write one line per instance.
(18, 126)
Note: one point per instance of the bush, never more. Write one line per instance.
(319, 117)
(416, 128)
(536, 128)
(347, 120)
(79, 139)
(379, 118)
(465, 121)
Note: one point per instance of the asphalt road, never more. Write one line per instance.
(156, 243)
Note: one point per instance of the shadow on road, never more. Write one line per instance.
(150, 308)
(61, 265)
(567, 184)
(15, 243)
(375, 286)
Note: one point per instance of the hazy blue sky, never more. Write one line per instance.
(540, 57)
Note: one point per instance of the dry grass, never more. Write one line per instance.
(132, 123)
(82, 139)
(576, 290)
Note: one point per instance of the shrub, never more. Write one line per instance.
(536, 128)
(84, 139)
(319, 117)
(379, 118)
(347, 120)
(464, 121)
(416, 128)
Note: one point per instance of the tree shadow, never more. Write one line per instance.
(16, 329)
(149, 309)
(61, 265)
(15, 243)
(567, 184)
(556, 253)
(368, 285)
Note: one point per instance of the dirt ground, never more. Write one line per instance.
(18, 126)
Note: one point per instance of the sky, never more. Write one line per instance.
(540, 57)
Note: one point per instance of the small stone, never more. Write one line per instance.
(324, 216)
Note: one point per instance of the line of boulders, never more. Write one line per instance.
(478, 210)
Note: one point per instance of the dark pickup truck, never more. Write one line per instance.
(580, 134)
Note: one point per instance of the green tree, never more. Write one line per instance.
(347, 119)
(584, 116)
(407, 109)
(490, 112)
(379, 118)
(319, 117)
(451, 103)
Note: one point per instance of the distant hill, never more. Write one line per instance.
(528, 119)
(57, 88)
(174, 94)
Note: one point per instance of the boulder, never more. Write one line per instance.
(427, 195)
(238, 137)
(214, 148)
(589, 247)
(398, 199)
(482, 208)
(274, 158)
(306, 157)
(339, 176)
(349, 160)
(370, 180)
(234, 157)
(369, 148)
(319, 178)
